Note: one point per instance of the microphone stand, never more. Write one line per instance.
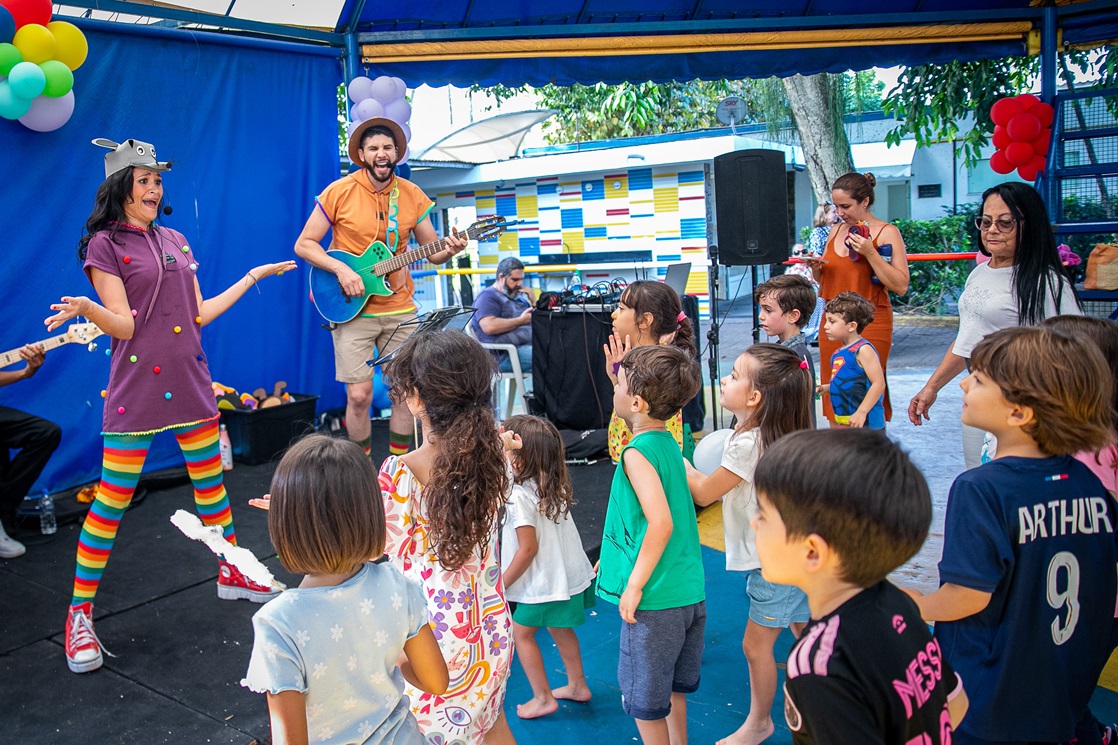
(712, 337)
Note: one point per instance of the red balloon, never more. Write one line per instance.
(1004, 110)
(1044, 112)
(28, 11)
(1001, 138)
(1032, 169)
(1019, 153)
(998, 163)
(1040, 144)
(1023, 128)
(1027, 101)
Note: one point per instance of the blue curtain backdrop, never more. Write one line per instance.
(253, 133)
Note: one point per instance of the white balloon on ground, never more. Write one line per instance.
(359, 89)
(367, 109)
(383, 89)
(48, 114)
(398, 111)
(708, 451)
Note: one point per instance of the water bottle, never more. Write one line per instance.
(886, 251)
(576, 282)
(47, 522)
(226, 448)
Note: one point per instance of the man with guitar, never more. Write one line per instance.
(372, 205)
(34, 437)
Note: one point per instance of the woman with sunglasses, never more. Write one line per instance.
(1022, 284)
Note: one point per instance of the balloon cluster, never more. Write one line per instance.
(382, 96)
(37, 62)
(1022, 132)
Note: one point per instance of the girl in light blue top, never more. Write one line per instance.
(332, 655)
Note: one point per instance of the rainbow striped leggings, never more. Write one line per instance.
(121, 464)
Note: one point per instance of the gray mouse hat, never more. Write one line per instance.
(129, 153)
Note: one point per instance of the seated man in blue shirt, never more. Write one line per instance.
(504, 314)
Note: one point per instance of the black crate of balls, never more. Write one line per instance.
(263, 434)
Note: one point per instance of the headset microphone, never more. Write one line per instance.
(167, 209)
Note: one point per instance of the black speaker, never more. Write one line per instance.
(569, 366)
(751, 203)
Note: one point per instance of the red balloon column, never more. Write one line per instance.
(37, 62)
(1022, 133)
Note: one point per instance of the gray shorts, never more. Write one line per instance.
(660, 655)
(360, 340)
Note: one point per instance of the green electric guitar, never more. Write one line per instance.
(376, 265)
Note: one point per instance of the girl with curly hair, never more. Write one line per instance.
(441, 504)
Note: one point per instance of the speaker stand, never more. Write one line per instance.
(753, 295)
(712, 338)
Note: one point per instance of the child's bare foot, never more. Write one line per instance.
(747, 735)
(534, 708)
(581, 693)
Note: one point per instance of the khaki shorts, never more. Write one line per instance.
(360, 340)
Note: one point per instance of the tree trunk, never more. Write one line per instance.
(816, 103)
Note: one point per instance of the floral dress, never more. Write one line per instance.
(468, 614)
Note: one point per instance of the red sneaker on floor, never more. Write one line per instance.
(232, 585)
(83, 648)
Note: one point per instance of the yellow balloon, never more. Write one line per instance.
(36, 43)
(72, 46)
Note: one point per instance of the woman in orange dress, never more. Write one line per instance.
(871, 266)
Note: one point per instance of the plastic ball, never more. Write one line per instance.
(35, 42)
(72, 46)
(59, 78)
(1005, 110)
(708, 451)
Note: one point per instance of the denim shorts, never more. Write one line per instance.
(660, 655)
(774, 606)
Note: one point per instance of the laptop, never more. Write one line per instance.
(676, 277)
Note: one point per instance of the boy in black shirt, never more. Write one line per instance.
(838, 510)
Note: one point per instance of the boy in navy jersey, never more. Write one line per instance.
(1025, 610)
(837, 511)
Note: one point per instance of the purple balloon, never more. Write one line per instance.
(359, 89)
(367, 109)
(398, 111)
(48, 114)
(401, 87)
(407, 131)
(7, 26)
(384, 90)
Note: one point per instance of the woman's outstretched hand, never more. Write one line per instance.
(268, 270)
(69, 307)
(263, 503)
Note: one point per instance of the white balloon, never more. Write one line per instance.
(367, 109)
(359, 89)
(383, 89)
(708, 451)
(398, 111)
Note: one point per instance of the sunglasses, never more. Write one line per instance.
(1005, 224)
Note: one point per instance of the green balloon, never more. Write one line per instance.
(60, 79)
(9, 58)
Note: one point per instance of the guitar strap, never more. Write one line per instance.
(392, 234)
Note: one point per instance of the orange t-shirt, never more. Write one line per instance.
(358, 214)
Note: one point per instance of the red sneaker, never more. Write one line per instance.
(83, 648)
(232, 585)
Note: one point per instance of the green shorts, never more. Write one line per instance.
(558, 614)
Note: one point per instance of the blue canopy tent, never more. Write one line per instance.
(244, 101)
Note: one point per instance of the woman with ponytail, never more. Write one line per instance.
(866, 255)
(441, 502)
(648, 313)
